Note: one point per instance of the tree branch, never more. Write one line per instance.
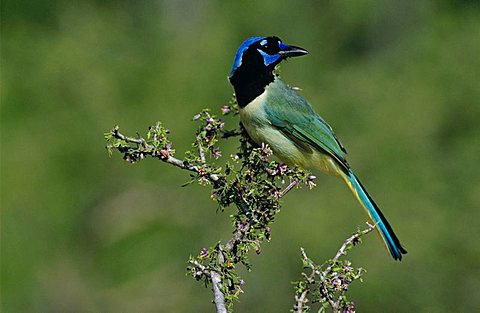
(167, 159)
(239, 234)
(292, 184)
(219, 298)
(349, 241)
(333, 281)
(252, 183)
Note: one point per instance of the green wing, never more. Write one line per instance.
(295, 117)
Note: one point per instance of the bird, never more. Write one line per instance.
(274, 113)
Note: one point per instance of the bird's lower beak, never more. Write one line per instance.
(287, 51)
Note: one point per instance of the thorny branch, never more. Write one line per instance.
(167, 159)
(351, 241)
(219, 298)
(253, 183)
(234, 241)
(333, 281)
(255, 188)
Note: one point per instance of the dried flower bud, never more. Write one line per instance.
(203, 252)
(268, 234)
(225, 109)
(311, 181)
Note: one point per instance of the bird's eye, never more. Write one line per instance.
(264, 44)
(269, 46)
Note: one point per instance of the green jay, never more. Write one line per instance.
(274, 113)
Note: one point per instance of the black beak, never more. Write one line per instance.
(287, 51)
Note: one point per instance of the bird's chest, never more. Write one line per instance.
(254, 119)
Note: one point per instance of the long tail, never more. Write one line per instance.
(383, 227)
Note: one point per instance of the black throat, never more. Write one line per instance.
(251, 77)
(250, 84)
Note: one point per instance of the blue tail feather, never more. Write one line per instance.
(384, 228)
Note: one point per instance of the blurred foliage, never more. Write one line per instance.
(397, 80)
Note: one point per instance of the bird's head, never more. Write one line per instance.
(259, 55)
(254, 63)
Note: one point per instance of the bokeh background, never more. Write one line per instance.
(81, 232)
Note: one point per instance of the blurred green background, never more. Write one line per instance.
(398, 81)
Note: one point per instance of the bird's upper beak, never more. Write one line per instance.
(287, 51)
